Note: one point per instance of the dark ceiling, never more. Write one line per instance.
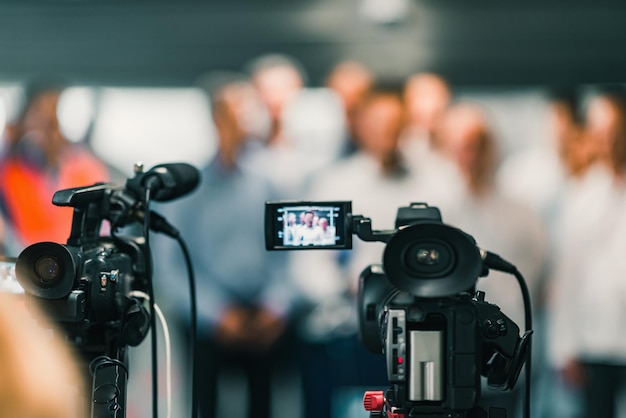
(170, 43)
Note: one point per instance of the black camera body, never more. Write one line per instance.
(78, 287)
(85, 285)
(436, 349)
(421, 310)
(93, 286)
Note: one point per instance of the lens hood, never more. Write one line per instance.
(432, 259)
(46, 270)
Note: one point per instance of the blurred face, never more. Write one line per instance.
(323, 223)
(277, 87)
(351, 82)
(426, 97)
(604, 125)
(40, 127)
(229, 132)
(308, 219)
(465, 140)
(573, 147)
(461, 138)
(249, 109)
(230, 116)
(378, 126)
(560, 120)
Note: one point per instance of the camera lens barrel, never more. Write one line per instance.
(431, 260)
(46, 270)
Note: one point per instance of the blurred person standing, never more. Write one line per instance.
(305, 125)
(539, 178)
(426, 97)
(279, 80)
(336, 366)
(39, 374)
(536, 176)
(244, 297)
(38, 161)
(587, 306)
(498, 223)
(351, 81)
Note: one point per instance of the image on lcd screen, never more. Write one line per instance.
(309, 226)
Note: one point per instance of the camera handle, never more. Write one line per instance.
(86, 219)
(362, 227)
(110, 376)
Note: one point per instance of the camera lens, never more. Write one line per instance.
(428, 256)
(48, 269)
(431, 259)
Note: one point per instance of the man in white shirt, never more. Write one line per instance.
(588, 306)
(498, 223)
(377, 182)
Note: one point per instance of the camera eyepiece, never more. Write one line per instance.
(46, 270)
(430, 259)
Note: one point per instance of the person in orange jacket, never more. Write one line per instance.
(37, 161)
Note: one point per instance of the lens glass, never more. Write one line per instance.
(48, 269)
(427, 256)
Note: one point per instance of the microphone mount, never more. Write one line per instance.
(122, 205)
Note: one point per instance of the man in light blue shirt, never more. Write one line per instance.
(244, 297)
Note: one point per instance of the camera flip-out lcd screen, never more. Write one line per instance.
(307, 225)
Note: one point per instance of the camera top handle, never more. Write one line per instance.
(362, 226)
(88, 211)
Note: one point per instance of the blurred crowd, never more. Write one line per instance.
(553, 209)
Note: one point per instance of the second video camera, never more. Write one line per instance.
(419, 308)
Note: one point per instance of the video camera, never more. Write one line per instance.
(419, 308)
(88, 286)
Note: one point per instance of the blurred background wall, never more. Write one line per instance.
(169, 43)
(500, 53)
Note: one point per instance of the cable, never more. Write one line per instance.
(168, 350)
(496, 262)
(106, 361)
(153, 338)
(193, 320)
(160, 224)
(529, 326)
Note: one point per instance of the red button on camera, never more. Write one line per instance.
(374, 400)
